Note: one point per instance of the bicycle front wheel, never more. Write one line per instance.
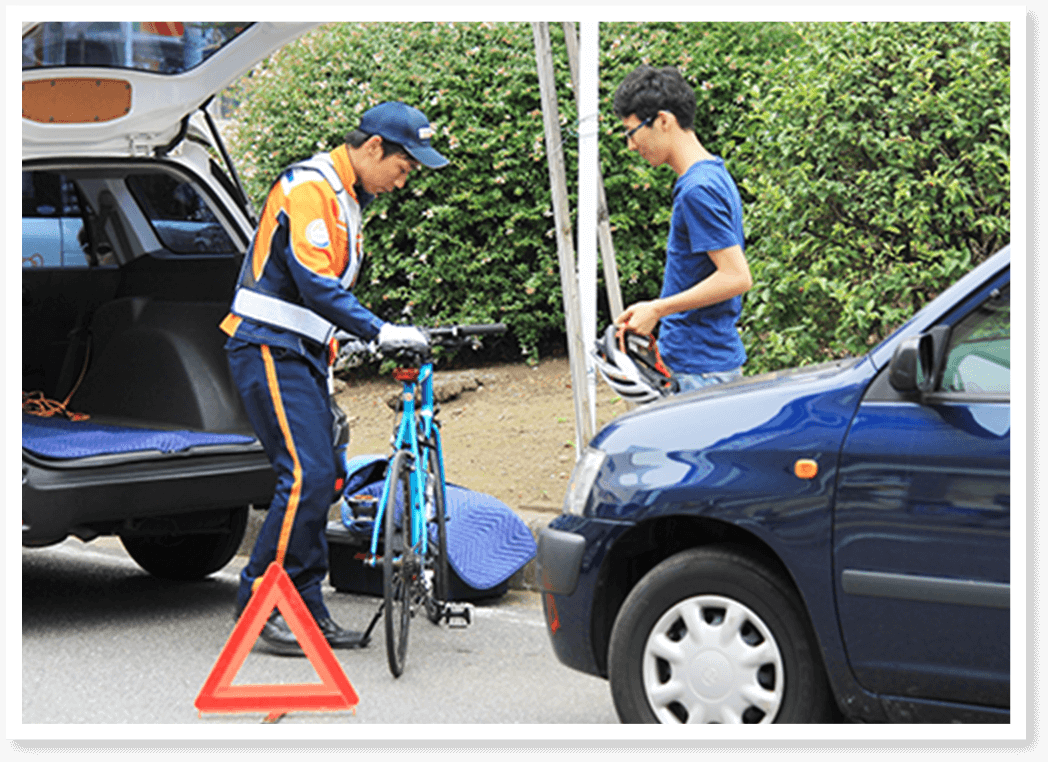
(398, 562)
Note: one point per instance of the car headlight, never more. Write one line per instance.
(582, 479)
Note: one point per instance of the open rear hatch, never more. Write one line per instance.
(124, 88)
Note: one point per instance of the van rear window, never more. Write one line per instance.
(163, 47)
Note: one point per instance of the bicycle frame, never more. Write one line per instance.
(417, 578)
(417, 438)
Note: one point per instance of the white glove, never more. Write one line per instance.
(393, 337)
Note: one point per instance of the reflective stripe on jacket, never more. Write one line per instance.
(294, 286)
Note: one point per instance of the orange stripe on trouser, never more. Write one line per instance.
(296, 487)
(288, 404)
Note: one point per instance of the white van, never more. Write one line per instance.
(134, 225)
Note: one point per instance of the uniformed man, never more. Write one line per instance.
(294, 291)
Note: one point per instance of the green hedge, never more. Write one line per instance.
(471, 242)
(872, 159)
(877, 160)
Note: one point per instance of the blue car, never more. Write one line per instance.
(824, 543)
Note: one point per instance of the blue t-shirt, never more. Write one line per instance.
(707, 215)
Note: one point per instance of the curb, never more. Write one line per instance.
(525, 578)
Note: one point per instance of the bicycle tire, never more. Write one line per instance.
(397, 568)
(439, 550)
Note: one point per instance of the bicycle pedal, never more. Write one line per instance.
(363, 506)
(458, 616)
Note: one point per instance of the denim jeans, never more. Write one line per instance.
(691, 381)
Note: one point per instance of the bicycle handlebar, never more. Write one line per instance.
(447, 336)
(455, 331)
(478, 329)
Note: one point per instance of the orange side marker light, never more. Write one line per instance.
(806, 469)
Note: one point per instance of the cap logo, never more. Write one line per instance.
(425, 133)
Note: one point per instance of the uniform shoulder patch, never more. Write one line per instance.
(317, 233)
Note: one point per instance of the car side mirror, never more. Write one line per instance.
(905, 372)
(917, 361)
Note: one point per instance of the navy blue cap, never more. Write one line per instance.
(400, 123)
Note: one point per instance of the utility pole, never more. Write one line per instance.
(607, 248)
(562, 220)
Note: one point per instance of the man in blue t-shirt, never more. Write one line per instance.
(706, 270)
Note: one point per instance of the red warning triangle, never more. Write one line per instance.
(333, 693)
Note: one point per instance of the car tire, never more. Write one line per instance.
(188, 556)
(712, 636)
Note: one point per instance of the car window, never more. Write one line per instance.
(978, 358)
(181, 219)
(53, 229)
(66, 222)
(163, 47)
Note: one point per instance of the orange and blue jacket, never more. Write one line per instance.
(298, 273)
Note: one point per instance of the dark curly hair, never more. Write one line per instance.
(646, 91)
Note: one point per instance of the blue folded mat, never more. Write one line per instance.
(487, 541)
(61, 438)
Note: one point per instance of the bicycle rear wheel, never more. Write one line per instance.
(438, 551)
(398, 563)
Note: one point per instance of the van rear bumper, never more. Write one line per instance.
(58, 500)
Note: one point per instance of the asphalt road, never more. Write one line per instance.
(105, 643)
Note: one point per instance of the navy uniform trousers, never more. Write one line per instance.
(288, 404)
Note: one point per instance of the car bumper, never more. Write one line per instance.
(568, 563)
(85, 502)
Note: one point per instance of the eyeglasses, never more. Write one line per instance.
(629, 133)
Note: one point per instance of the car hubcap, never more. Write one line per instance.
(710, 659)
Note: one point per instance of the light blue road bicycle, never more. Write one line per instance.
(409, 537)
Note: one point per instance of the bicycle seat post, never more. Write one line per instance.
(407, 439)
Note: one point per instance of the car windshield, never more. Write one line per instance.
(164, 47)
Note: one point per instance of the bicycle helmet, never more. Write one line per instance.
(633, 367)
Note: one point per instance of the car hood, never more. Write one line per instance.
(778, 378)
(108, 108)
(722, 407)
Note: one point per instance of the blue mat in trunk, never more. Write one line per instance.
(63, 439)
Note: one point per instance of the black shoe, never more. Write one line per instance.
(278, 636)
(339, 638)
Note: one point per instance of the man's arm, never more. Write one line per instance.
(731, 278)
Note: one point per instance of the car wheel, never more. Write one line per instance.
(712, 636)
(188, 556)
